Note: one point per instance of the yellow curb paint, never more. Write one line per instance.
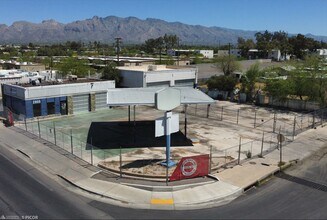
(162, 201)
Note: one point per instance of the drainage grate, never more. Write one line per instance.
(303, 182)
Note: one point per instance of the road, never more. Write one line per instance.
(26, 192)
(300, 193)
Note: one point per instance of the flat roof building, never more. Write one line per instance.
(158, 76)
(50, 98)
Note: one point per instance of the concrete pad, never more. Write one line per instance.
(96, 186)
(246, 175)
(205, 193)
(129, 194)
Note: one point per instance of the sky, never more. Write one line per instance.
(292, 16)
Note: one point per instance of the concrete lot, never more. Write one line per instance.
(206, 70)
(223, 137)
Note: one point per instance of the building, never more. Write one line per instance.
(49, 98)
(158, 75)
(274, 55)
(277, 56)
(25, 66)
(235, 52)
(322, 53)
(205, 53)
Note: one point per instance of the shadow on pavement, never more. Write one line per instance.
(112, 135)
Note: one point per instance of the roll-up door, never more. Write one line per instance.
(81, 103)
(100, 100)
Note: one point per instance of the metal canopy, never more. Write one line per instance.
(146, 96)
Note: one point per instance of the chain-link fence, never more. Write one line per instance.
(238, 154)
(265, 119)
(139, 162)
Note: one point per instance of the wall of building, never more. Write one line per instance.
(56, 99)
(206, 53)
(132, 79)
(171, 76)
(56, 90)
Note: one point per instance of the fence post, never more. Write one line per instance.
(208, 109)
(294, 127)
(225, 158)
(120, 163)
(222, 113)
(25, 123)
(274, 125)
(46, 132)
(210, 159)
(255, 118)
(54, 133)
(167, 175)
(91, 151)
(263, 137)
(71, 141)
(185, 122)
(238, 114)
(313, 119)
(321, 116)
(38, 126)
(63, 140)
(239, 151)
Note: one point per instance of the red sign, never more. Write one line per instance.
(190, 167)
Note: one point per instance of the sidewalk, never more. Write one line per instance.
(190, 196)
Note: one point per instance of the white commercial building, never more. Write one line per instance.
(158, 76)
(322, 53)
(206, 53)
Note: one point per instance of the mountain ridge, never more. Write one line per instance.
(130, 29)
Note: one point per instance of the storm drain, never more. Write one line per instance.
(302, 181)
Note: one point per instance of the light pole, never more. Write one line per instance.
(117, 45)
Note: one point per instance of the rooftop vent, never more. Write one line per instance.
(152, 68)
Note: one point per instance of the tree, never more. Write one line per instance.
(264, 42)
(278, 88)
(73, 66)
(280, 41)
(227, 64)
(221, 83)
(110, 72)
(250, 78)
(170, 41)
(245, 45)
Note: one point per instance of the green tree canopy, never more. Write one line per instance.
(250, 78)
(73, 66)
(221, 83)
(110, 72)
(227, 64)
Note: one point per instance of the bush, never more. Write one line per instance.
(222, 83)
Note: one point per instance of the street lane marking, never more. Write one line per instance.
(162, 201)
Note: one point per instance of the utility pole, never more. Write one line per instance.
(117, 45)
(178, 41)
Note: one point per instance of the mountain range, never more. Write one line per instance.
(130, 29)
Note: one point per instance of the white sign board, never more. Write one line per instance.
(161, 124)
(167, 99)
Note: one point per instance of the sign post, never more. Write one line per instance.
(166, 100)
